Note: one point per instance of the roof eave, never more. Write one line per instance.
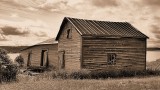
(36, 45)
(104, 36)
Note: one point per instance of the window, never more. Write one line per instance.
(111, 58)
(69, 34)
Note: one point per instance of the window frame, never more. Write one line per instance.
(111, 58)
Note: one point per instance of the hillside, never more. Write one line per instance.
(154, 65)
(13, 49)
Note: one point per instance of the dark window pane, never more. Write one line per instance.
(111, 58)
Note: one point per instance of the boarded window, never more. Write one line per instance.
(69, 34)
(61, 59)
(111, 58)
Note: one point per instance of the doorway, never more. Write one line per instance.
(44, 57)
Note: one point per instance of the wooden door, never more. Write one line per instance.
(61, 59)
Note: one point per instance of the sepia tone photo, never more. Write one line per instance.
(79, 45)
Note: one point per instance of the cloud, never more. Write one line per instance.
(156, 32)
(14, 15)
(12, 3)
(32, 9)
(155, 29)
(2, 39)
(49, 5)
(104, 3)
(157, 20)
(9, 30)
(152, 2)
(40, 34)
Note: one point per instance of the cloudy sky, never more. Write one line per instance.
(27, 22)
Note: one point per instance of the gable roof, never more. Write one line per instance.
(46, 42)
(102, 28)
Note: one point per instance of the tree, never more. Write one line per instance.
(8, 70)
(4, 58)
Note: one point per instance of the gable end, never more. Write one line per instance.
(65, 20)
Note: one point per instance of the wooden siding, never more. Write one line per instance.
(36, 54)
(71, 47)
(130, 53)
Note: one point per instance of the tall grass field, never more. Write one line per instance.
(46, 83)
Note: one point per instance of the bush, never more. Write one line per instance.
(19, 59)
(8, 72)
(104, 74)
(4, 58)
(152, 72)
(80, 74)
(60, 74)
(85, 74)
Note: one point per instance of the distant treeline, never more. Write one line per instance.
(153, 49)
(13, 49)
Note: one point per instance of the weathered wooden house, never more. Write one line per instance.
(42, 54)
(100, 45)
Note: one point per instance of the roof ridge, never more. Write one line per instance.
(96, 20)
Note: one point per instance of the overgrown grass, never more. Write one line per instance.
(45, 81)
(30, 83)
(10, 74)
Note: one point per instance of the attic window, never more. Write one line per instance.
(69, 34)
(111, 58)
